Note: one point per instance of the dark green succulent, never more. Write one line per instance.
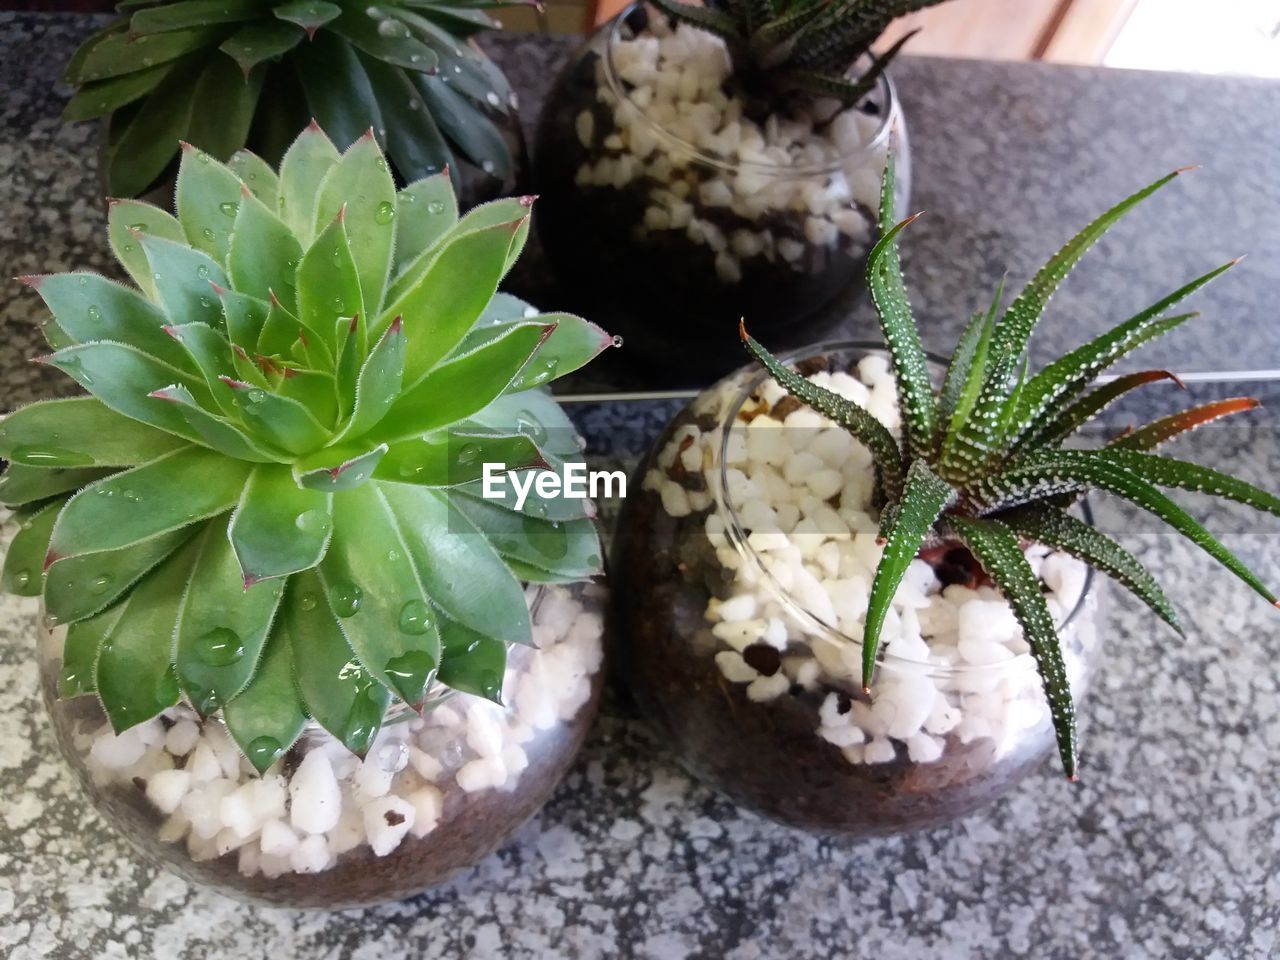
(982, 460)
(225, 74)
(807, 47)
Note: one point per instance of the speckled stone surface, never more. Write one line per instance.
(1168, 849)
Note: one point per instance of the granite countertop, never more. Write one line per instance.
(1168, 849)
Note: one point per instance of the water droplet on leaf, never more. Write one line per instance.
(385, 213)
(345, 598)
(220, 647)
(315, 522)
(435, 206)
(415, 618)
(229, 208)
(262, 751)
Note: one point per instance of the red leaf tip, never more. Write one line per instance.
(397, 325)
(1186, 169)
(342, 214)
(742, 328)
(313, 126)
(245, 192)
(528, 200)
(185, 146)
(1073, 778)
(217, 289)
(50, 559)
(32, 280)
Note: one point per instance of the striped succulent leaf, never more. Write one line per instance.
(226, 74)
(806, 48)
(982, 460)
(267, 503)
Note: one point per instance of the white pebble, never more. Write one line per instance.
(311, 855)
(182, 738)
(277, 839)
(118, 751)
(166, 789)
(315, 799)
(386, 821)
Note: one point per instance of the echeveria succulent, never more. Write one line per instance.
(268, 503)
(983, 463)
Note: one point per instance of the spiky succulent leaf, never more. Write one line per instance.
(990, 465)
(196, 70)
(1001, 556)
(924, 496)
(272, 513)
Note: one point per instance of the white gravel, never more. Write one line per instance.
(332, 801)
(674, 80)
(956, 667)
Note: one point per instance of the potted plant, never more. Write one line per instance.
(288, 633)
(699, 163)
(858, 597)
(223, 76)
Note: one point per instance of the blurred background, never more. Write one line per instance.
(1223, 36)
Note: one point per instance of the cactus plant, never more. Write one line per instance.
(223, 74)
(981, 463)
(268, 504)
(809, 48)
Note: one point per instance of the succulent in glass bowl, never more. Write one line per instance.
(734, 151)
(860, 595)
(226, 74)
(285, 624)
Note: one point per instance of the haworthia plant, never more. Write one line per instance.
(226, 74)
(982, 464)
(800, 48)
(267, 503)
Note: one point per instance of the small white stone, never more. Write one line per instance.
(878, 751)
(248, 862)
(734, 668)
(585, 127)
(237, 811)
(791, 250)
(675, 500)
(820, 231)
(203, 807)
(481, 774)
(182, 738)
(311, 855)
(174, 828)
(825, 484)
(315, 799)
(428, 805)
(844, 735)
(763, 689)
(227, 840)
(923, 748)
(484, 731)
(371, 780)
(277, 839)
(727, 268)
(741, 607)
(166, 789)
(386, 821)
(117, 752)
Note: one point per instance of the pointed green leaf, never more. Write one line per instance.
(259, 41)
(446, 460)
(1060, 471)
(186, 281)
(924, 497)
(90, 307)
(572, 345)
(1182, 475)
(98, 98)
(472, 662)
(338, 468)
(967, 369)
(467, 125)
(80, 587)
(360, 184)
(310, 15)
(458, 567)
(124, 379)
(224, 102)
(21, 484)
(303, 168)
(862, 425)
(71, 72)
(438, 310)
(415, 145)
(208, 197)
(263, 254)
(379, 383)
(134, 674)
(996, 547)
(87, 434)
(267, 717)
(396, 47)
(328, 284)
(1075, 416)
(1166, 428)
(463, 386)
(192, 13)
(24, 561)
(315, 390)
(1059, 530)
(166, 494)
(1018, 322)
(245, 317)
(258, 175)
(122, 53)
(392, 628)
(224, 624)
(127, 217)
(217, 432)
(569, 549)
(80, 653)
(336, 690)
(337, 90)
(210, 353)
(281, 422)
(279, 528)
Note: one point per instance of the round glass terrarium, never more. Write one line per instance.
(323, 828)
(672, 208)
(748, 552)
